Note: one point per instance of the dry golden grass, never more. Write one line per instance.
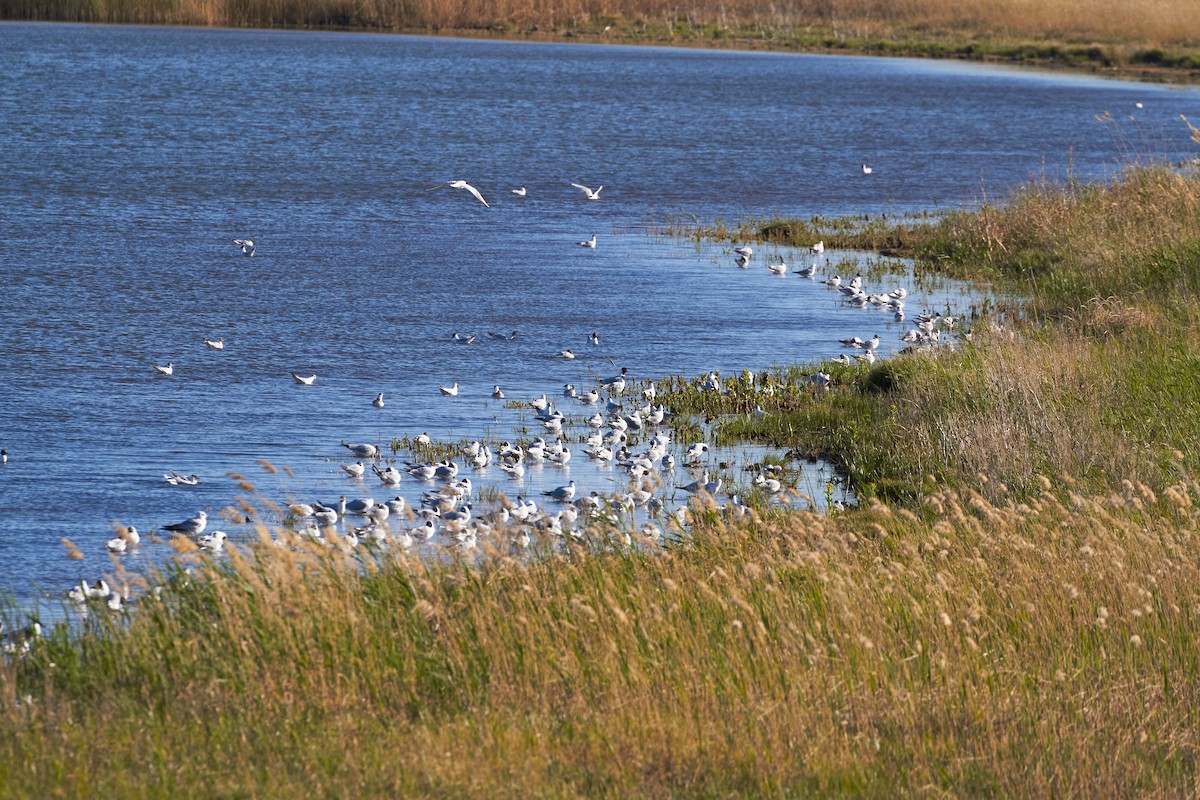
(972, 28)
(1032, 649)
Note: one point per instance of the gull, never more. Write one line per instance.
(873, 344)
(519, 192)
(397, 505)
(834, 282)
(516, 470)
(867, 170)
(694, 452)
(3, 456)
(594, 338)
(501, 337)
(462, 185)
(569, 390)
(449, 391)
(359, 507)
(769, 484)
(843, 359)
(180, 480)
(218, 344)
(616, 384)
(818, 248)
(497, 394)
(324, 516)
(853, 341)
(745, 251)
(422, 439)
(304, 380)
(778, 269)
(589, 243)
(189, 527)
(378, 401)
(567, 354)
(590, 397)
(423, 472)
(363, 450)
(808, 271)
(169, 369)
(454, 337)
(742, 262)
(213, 541)
(868, 357)
(564, 493)
(540, 404)
(591, 195)
(247, 246)
(117, 545)
(354, 470)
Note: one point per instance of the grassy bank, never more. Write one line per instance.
(1011, 612)
(1037, 649)
(1114, 36)
(1095, 378)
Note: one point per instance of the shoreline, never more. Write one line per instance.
(1113, 61)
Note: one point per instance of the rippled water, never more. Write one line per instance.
(134, 156)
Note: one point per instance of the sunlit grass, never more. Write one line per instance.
(1013, 648)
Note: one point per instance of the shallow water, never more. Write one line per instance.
(134, 156)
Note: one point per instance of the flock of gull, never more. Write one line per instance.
(617, 424)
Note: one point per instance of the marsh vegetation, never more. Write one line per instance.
(1114, 35)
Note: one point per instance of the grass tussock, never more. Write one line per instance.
(1037, 648)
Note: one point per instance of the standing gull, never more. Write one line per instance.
(189, 527)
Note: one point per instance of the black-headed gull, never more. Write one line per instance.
(563, 493)
(744, 250)
(449, 391)
(519, 192)
(354, 470)
(867, 170)
(818, 248)
(213, 541)
(169, 369)
(215, 344)
(497, 394)
(363, 450)
(463, 185)
(589, 243)
(378, 401)
(304, 380)
(247, 245)
(591, 195)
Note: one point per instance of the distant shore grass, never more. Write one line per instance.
(1110, 37)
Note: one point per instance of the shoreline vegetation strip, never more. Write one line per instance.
(1119, 40)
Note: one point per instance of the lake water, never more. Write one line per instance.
(132, 157)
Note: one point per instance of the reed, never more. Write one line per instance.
(1104, 35)
(1039, 648)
